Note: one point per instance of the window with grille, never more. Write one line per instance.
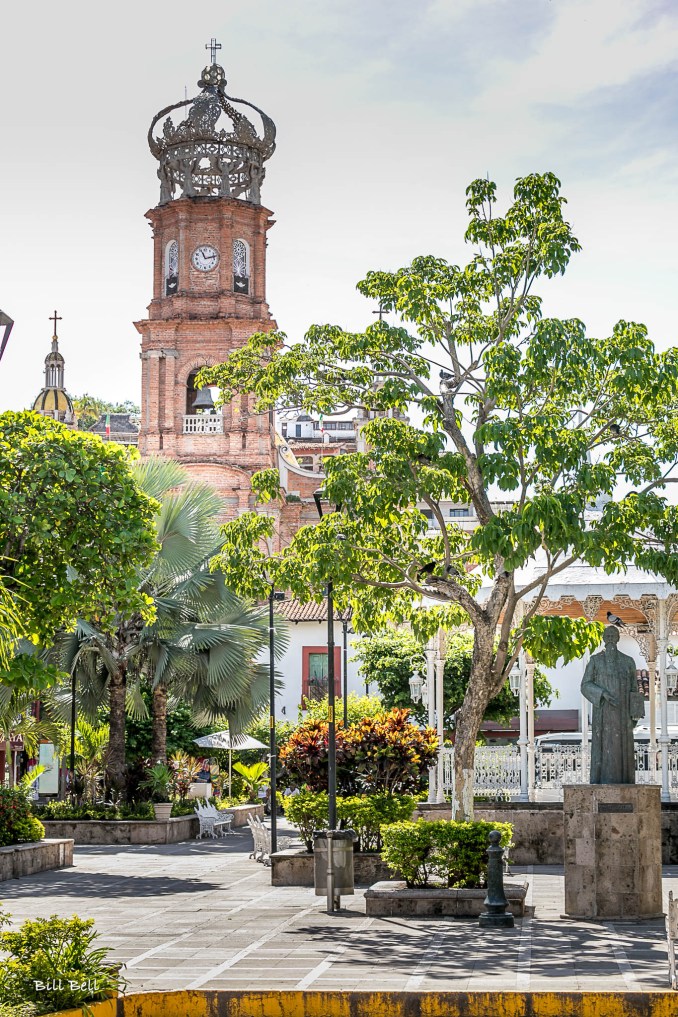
(171, 268)
(241, 267)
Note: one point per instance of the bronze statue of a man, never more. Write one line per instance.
(609, 683)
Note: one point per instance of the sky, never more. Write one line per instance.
(385, 109)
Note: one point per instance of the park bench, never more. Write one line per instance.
(672, 937)
(261, 836)
(213, 823)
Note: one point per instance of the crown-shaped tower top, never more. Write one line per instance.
(201, 158)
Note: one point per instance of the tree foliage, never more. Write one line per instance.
(74, 526)
(578, 433)
(391, 659)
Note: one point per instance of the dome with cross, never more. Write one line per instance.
(53, 399)
(216, 150)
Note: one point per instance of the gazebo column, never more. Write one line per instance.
(662, 642)
(584, 724)
(529, 668)
(440, 715)
(522, 730)
(430, 654)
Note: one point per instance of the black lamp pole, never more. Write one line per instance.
(344, 626)
(73, 690)
(273, 752)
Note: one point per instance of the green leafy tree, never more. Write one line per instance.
(579, 434)
(391, 659)
(357, 708)
(74, 527)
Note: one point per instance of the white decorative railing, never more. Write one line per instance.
(203, 423)
(497, 768)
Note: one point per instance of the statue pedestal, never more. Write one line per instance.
(613, 851)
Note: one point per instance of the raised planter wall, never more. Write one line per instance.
(25, 859)
(139, 831)
(295, 868)
(388, 899)
(538, 828)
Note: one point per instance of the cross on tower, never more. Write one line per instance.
(213, 46)
(381, 312)
(55, 317)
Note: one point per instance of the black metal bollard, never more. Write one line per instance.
(495, 914)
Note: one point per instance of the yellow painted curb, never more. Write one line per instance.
(204, 1003)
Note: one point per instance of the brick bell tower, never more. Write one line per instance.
(209, 286)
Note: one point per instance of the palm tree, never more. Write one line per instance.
(202, 645)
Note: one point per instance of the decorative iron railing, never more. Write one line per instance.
(203, 423)
(497, 768)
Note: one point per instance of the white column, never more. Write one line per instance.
(522, 729)
(430, 654)
(662, 642)
(529, 667)
(440, 716)
(584, 725)
(652, 670)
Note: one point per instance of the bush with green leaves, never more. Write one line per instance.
(58, 952)
(17, 823)
(308, 810)
(121, 812)
(452, 854)
(367, 814)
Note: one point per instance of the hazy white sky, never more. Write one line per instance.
(385, 109)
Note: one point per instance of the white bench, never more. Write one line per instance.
(261, 836)
(213, 823)
(672, 938)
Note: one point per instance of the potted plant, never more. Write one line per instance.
(158, 781)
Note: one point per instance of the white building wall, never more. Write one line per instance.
(301, 634)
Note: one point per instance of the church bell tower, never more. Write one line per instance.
(209, 285)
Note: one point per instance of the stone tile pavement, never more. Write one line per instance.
(202, 915)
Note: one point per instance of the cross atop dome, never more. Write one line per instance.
(55, 317)
(213, 46)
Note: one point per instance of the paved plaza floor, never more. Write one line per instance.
(203, 915)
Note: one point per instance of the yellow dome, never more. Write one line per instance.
(51, 400)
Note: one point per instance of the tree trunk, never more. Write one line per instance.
(116, 770)
(159, 743)
(479, 692)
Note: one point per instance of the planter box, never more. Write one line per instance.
(394, 898)
(139, 831)
(123, 831)
(25, 859)
(295, 868)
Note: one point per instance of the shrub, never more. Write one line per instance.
(17, 824)
(58, 951)
(379, 753)
(366, 814)
(308, 810)
(454, 853)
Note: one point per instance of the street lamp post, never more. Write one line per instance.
(332, 902)
(6, 325)
(273, 753)
(344, 665)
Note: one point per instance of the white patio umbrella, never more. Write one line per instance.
(223, 740)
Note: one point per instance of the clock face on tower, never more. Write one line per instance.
(205, 258)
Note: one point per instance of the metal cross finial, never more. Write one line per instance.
(213, 46)
(55, 317)
(380, 312)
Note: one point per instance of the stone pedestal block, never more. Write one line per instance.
(613, 851)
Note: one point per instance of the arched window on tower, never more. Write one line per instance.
(171, 268)
(201, 416)
(241, 266)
